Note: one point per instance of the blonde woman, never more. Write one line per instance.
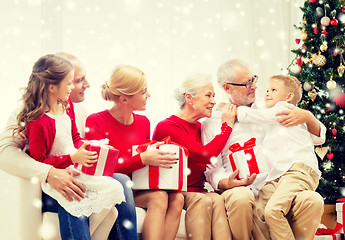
(127, 89)
(205, 216)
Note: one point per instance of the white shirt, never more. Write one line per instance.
(282, 146)
(242, 132)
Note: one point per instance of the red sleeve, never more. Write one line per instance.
(39, 146)
(77, 139)
(197, 151)
(93, 131)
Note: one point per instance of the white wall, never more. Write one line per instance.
(167, 39)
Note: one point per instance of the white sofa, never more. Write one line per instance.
(22, 198)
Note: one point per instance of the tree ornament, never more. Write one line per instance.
(319, 11)
(299, 61)
(307, 86)
(330, 156)
(297, 40)
(323, 47)
(340, 100)
(334, 22)
(341, 69)
(324, 32)
(319, 60)
(295, 69)
(312, 1)
(343, 8)
(325, 21)
(303, 35)
(312, 95)
(331, 84)
(321, 152)
(334, 131)
(315, 30)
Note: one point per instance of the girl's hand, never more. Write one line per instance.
(84, 157)
(155, 157)
(229, 112)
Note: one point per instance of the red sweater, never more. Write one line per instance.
(103, 125)
(41, 135)
(189, 135)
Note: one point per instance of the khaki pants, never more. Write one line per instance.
(239, 204)
(289, 205)
(205, 216)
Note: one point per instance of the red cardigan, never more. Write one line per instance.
(122, 137)
(189, 135)
(41, 135)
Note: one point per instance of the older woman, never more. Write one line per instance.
(127, 89)
(206, 214)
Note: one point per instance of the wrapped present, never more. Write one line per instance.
(107, 157)
(336, 236)
(153, 177)
(243, 158)
(340, 208)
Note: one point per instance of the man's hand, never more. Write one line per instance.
(296, 116)
(232, 181)
(63, 182)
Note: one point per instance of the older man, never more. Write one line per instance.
(239, 83)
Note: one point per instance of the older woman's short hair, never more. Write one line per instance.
(193, 84)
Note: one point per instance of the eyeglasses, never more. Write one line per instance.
(248, 84)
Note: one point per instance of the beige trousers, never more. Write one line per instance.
(289, 207)
(205, 216)
(239, 204)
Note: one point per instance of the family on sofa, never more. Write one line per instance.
(98, 207)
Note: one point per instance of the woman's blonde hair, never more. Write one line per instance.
(193, 84)
(125, 80)
(48, 70)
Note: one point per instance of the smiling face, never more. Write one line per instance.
(276, 92)
(79, 81)
(203, 102)
(65, 87)
(137, 102)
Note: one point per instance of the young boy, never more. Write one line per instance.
(288, 152)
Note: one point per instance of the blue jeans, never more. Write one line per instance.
(125, 226)
(71, 228)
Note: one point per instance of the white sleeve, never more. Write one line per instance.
(318, 140)
(14, 160)
(214, 171)
(262, 116)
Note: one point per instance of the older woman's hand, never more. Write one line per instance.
(156, 157)
(229, 113)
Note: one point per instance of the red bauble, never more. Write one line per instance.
(334, 22)
(330, 156)
(315, 30)
(312, 1)
(343, 8)
(340, 100)
(335, 53)
(297, 40)
(334, 131)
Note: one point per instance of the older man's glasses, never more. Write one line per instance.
(248, 84)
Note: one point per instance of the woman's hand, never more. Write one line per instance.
(156, 157)
(84, 157)
(229, 114)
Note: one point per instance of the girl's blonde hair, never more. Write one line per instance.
(49, 69)
(125, 80)
(193, 84)
(292, 84)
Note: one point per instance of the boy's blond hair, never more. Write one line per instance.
(293, 85)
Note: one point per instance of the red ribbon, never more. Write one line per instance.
(248, 149)
(154, 170)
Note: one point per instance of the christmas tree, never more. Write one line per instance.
(319, 65)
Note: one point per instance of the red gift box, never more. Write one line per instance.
(153, 177)
(107, 157)
(243, 158)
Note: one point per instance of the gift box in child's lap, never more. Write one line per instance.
(107, 157)
(243, 158)
(152, 177)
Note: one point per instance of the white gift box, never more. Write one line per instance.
(243, 158)
(328, 237)
(340, 217)
(152, 177)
